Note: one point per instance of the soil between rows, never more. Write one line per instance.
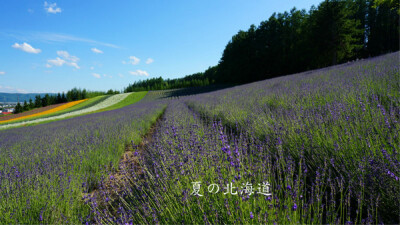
(117, 181)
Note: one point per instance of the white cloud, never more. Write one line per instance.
(73, 64)
(120, 75)
(66, 59)
(52, 8)
(31, 11)
(92, 67)
(2, 72)
(96, 75)
(26, 48)
(139, 73)
(132, 60)
(55, 62)
(67, 56)
(149, 60)
(98, 51)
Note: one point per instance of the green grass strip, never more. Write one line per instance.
(131, 99)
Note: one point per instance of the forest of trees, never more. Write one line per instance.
(46, 100)
(194, 80)
(336, 31)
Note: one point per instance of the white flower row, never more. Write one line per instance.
(101, 105)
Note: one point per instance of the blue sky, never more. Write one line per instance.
(53, 46)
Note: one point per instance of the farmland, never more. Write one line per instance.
(97, 104)
(46, 168)
(44, 111)
(324, 142)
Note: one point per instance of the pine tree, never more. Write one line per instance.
(38, 101)
(31, 104)
(335, 32)
(18, 108)
(63, 98)
(26, 106)
(58, 98)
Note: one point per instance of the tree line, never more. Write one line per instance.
(335, 32)
(47, 99)
(194, 80)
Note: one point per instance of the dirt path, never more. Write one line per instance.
(129, 171)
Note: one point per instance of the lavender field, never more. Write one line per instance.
(315, 147)
(326, 141)
(45, 170)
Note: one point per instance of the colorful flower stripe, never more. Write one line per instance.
(101, 105)
(56, 109)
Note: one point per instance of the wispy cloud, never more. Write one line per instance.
(2, 72)
(51, 37)
(66, 59)
(96, 75)
(31, 11)
(149, 61)
(8, 89)
(139, 73)
(67, 56)
(26, 48)
(55, 37)
(52, 8)
(98, 51)
(132, 60)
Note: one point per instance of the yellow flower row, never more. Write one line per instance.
(56, 109)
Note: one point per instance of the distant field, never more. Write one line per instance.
(97, 104)
(30, 112)
(82, 105)
(130, 99)
(43, 112)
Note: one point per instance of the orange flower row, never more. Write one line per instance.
(56, 109)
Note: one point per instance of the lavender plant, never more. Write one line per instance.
(348, 115)
(326, 141)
